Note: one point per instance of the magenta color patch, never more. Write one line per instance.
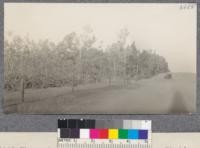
(94, 133)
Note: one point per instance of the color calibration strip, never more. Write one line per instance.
(86, 133)
(103, 133)
(101, 124)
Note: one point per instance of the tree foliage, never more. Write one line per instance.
(76, 60)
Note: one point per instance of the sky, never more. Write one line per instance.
(165, 28)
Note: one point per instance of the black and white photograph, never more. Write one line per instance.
(100, 58)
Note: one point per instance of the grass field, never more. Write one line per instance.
(149, 96)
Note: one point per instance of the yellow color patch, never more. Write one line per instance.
(113, 133)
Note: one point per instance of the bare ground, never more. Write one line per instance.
(149, 96)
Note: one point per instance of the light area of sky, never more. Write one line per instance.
(164, 28)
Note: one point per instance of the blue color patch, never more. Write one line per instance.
(143, 134)
(133, 134)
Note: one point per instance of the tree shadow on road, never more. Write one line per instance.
(178, 104)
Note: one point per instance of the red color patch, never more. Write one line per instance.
(103, 133)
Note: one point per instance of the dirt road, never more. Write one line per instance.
(155, 95)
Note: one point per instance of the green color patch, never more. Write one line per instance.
(123, 134)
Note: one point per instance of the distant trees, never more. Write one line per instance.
(76, 60)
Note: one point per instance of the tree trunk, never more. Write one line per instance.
(22, 90)
(110, 79)
(73, 76)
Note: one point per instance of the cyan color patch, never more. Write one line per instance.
(133, 134)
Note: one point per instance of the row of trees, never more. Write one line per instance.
(76, 60)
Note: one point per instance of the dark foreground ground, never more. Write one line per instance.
(149, 96)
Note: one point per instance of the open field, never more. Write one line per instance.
(149, 96)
